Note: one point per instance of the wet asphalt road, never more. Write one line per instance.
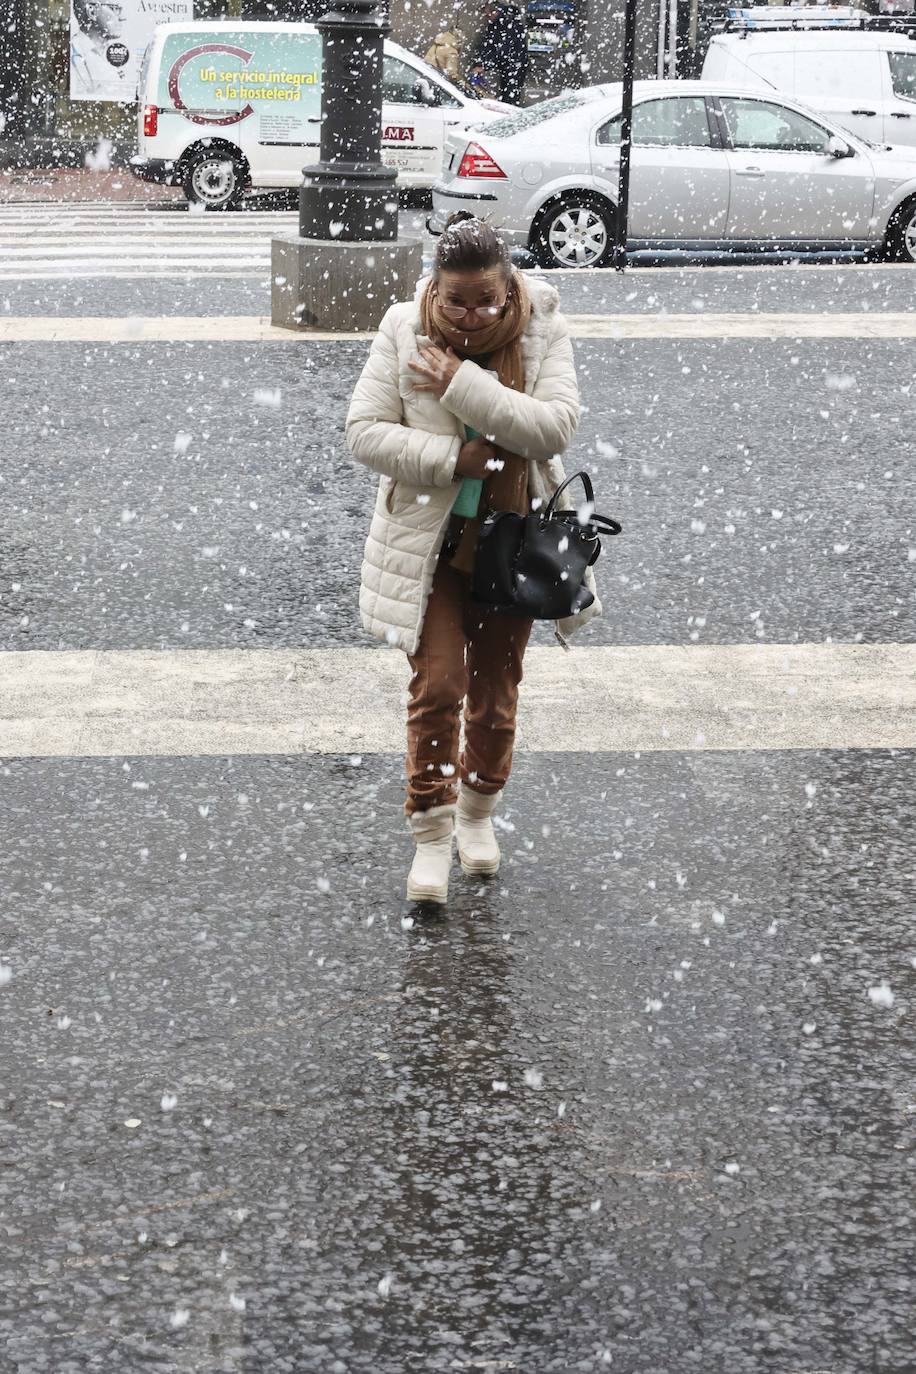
(643, 1103)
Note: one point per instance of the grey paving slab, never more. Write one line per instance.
(766, 489)
(631, 1106)
(671, 288)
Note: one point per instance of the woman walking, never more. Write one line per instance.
(467, 399)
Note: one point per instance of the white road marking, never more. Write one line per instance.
(257, 328)
(52, 242)
(124, 242)
(756, 325)
(351, 701)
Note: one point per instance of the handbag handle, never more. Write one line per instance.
(605, 523)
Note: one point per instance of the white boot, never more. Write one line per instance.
(433, 831)
(477, 847)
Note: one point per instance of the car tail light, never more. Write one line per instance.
(150, 121)
(478, 163)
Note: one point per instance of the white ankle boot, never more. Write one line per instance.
(433, 831)
(477, 847)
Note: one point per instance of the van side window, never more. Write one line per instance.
(777, 69)
(404, 85)
(903, 74)
(838, 74)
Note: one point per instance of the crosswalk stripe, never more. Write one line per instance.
(53, 234)
(198, 703)
(64, 239)
(112, 252)
(31, 214)
(255, 328)
(79, 242)
(51, 242)
(69, 273)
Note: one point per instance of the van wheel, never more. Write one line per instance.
(576, 232)
(900, 240)
(215, 179)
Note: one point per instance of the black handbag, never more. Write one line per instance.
(534, 565)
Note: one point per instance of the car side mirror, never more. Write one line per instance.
(425, 92)
(838, 147)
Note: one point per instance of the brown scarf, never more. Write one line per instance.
(507, 488)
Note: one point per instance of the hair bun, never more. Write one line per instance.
(459, 217)
(470, 244)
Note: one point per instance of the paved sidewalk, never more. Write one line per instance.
(72, 185)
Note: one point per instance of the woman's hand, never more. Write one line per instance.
(437, 366)
(475, 458)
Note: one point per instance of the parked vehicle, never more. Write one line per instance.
(714, 168)
(863, 79)
(227, 106)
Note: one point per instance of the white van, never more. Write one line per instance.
(861, 78)
(232, 105)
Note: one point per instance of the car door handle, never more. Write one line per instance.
(750, 172)
(899, 114)
(863, 112)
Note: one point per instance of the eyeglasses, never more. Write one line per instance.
(458, 312)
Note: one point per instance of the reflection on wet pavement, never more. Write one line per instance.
(644, 1103)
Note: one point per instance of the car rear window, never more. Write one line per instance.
(533, 115)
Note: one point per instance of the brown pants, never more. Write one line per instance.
(466, 654)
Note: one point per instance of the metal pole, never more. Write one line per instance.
(626, 126)
(350, 195)
(15, 68)
(660, 46)
(672, 40)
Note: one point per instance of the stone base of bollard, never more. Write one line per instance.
(317, 284)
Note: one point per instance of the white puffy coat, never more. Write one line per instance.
(412, 439)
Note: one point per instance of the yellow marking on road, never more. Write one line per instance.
(351, 701)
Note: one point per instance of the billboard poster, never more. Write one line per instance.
(107, 42)
(269, 80)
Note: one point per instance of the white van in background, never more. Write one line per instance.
(861, 78)
(224, 106)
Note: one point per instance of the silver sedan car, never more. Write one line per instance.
(713, 169)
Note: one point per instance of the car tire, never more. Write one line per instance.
(577, 231)
(900, 239)
(214, 178)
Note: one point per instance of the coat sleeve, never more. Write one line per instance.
(376, 433)
(536, 426)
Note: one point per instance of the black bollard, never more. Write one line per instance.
(350, 195)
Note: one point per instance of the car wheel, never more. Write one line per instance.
(215, 179)
(900, 240)
(577, 232)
